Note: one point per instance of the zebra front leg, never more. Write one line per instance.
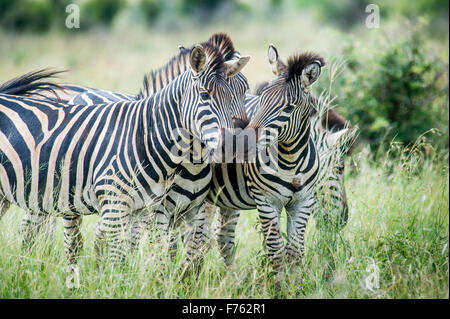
(175, 229)
(139, 223)
(31, 226)
(297, 220)
(112, 236)
(269, 216)
(73, 240)
(195, 241)
(226, 233)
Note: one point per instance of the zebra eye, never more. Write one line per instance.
(205, 96)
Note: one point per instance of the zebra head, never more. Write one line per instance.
(237, 80)
(210, 103)
(287, 93)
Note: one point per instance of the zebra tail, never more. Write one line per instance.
(33, 83)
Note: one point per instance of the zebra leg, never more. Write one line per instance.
(163, 217)
(73, 240)
(139, 223)
(297, 220)
(228, 219)
(176, 227)
(210, 210)
(31, 226)
(111, 232)
(269, 216)
(4, 206)
(195, 241)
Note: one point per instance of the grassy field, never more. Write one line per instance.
(399, 207)
(398, 222)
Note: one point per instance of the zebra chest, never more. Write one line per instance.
(190, 187)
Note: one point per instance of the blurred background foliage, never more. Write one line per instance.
(392, 83)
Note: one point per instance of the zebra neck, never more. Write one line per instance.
(293, 141)
(161, 124)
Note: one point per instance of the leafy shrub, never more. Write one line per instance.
(151, 9)
(398, 94)
(100, 12)
(26, 15)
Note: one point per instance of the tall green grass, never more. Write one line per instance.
(398, 221)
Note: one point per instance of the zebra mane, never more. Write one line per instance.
(218, 47)
(260, 87)
(155, 80)
(224, 44)
(31, 83)
(298, 62)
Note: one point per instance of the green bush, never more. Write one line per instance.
(397, 94)
(99, 12)
(25, 15)
(151, 9)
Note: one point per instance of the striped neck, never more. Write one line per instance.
(161, 121)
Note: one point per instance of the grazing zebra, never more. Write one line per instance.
(113, 158)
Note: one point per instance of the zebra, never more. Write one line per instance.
(251, 110)
(126, 166)
(191, 184)
(284, 106)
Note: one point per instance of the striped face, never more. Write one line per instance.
(206, 110)
(288, 93)
(210, 104)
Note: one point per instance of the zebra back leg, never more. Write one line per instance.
(228, 219)
(73, 240)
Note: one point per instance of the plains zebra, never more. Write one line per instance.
(113, 158)
(284, 106)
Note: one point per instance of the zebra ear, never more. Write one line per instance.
(197, 58)
(337, 138)
(343, 140)
(234, 66)
(275, 62)
(311, 73)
